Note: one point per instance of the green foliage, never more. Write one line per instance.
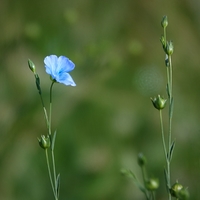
(110, 119)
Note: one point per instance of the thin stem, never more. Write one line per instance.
(45, 111)
(52, 151)
(153, 195)
(54, 172)
(50, 106)
(144, 180)
(170, 119)
(165, 36)
(49, 170)
(163, 136)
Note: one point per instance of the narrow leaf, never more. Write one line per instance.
(53, 141)
(58, 185)
(171, 150)
(171, 108)
(37, 82)
(130, 174)
(168, 91)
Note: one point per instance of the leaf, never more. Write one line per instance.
(53, 141)
(171, 150)
(168, 90)
(171, 107)
(58, 185)
(130, 174)
(37, 82)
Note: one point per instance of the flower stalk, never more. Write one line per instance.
(57, 68)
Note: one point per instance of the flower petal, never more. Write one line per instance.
(66, 79)
(51, 63)
(64, 64)
(58, 68)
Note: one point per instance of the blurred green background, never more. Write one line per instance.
(107, 119)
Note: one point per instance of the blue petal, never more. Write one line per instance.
(66, 79)
(58, 68)
(64, 64)
(51, 63)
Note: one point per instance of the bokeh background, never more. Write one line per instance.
(107, 119)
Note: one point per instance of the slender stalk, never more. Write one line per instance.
(170, 120)
(54, 172)
(50, 107)
(52, 151)
(163, 136)
(49, 170)
(165, 36)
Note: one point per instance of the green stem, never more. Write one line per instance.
(163, 136)
(50, 177)
(144, 177)
(52, 151)
(165, 37)
(170, 119)
(153, 195)
(50, 106)
(54, 172)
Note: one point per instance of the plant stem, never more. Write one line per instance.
(49, 170)
(52, 151)
(50, 106)
(163, 135)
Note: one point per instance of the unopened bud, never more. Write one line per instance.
(141, 160)
(175, 189)
(169, 48)
(31, 66)
(164, 22)
(152, 184)
(158, 102)
(44, 141)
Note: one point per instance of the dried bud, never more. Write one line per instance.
(141, 160)
(164, 22)
(158, 102)
(152, 184)
(44, 141)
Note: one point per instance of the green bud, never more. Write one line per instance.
(31, 66)
(44, 141)
(175, 189)
(158, 102)
(183, 194)
(152, 184)
(141, 160)
(164, 22)
(169, 48)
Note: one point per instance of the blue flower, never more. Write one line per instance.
(58, 68)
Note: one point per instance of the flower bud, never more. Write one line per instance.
(183, 194)
(44, 141)
(175, 189)
(31, 66)
(152, 184)
(164, 22)
(158, 102)
(141, 160)
(169, 48)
